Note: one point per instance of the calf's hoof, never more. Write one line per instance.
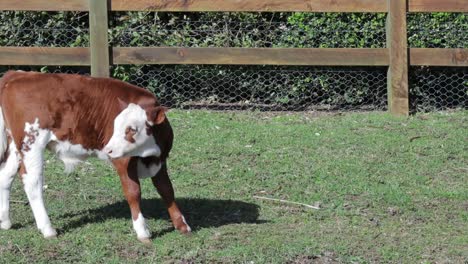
(185, 230)
(49, 232)
(181, 225)
(5, 225)
(145, 240)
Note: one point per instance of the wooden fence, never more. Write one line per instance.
(397, 56)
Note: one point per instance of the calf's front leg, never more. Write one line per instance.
(164, 186)
(131, 188)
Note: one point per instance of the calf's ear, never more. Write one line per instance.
(157, 114)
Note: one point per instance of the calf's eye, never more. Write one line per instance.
(130, 129)
(129, 133)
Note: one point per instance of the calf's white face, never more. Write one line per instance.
(133, 135)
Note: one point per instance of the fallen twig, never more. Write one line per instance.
(286, 201)
(415, 137)
(20, 250)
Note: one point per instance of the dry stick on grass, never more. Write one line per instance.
(285, 201)
(20, 202)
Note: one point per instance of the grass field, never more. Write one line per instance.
(391, 190)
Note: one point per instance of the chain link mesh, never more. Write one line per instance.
(258, 87)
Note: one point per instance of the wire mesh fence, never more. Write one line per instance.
(38, 29)
(438, 88)
(258, 87)
(261, 30)
(48, 69)
(262, 87)
(448, 32)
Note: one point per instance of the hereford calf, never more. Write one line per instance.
(76, 116)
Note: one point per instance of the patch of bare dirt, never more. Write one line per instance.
(324, 258)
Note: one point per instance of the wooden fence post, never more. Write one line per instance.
(397, 43)
(98, 40)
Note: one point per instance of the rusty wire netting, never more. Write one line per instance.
(257, 87)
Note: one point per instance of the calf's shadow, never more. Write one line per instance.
(200, 213)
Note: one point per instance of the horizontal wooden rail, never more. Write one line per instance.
(250, 56)
(285, 56)
(44, 5)
(238, 5)
(232, 56)
(286, 6)
(44, 56)
(438, 5)
(439, 57)
(252, 5)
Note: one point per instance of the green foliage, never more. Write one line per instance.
(330, 30)
(54, 29)
(325, 30)
(355, 30)
(438, 30)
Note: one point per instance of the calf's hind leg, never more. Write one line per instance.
(33, 178)
(8, 169)
(164, 186)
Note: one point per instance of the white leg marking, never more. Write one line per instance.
(7, 173)
(141, 228)
(185, 222)
(34, 144)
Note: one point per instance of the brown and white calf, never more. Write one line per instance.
(77, 116)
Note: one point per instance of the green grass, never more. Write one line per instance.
(391, 190)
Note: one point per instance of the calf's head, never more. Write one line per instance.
(133, 131)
